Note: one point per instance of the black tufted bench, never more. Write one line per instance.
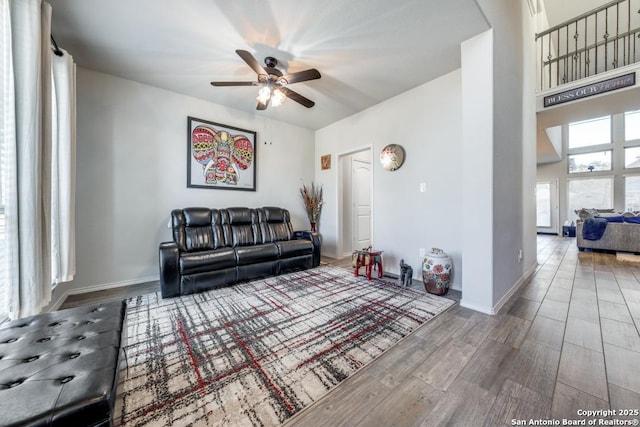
(62, 368)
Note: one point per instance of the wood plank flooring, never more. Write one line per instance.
(567, 341)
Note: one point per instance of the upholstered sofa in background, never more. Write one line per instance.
(213, 248)
(621, 234)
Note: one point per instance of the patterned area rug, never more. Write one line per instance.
(259, 352)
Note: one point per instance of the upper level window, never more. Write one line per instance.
(632, 157)
(590, 132)
(590, 162)
(631, 125)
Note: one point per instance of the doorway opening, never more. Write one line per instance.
(355, 200)
(547, 206)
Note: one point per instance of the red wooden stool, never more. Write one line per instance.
(369, 259)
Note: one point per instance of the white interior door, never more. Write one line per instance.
(547, 206)
(361, 193)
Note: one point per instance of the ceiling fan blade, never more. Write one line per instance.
(302, 76)
(262, 106)
(234, 83)
(295, 96)
(251, 61)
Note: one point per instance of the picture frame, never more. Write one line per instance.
(220, 156)
(325, 162)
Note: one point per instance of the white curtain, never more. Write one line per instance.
(8, 178)
(63, 169)
(38, 158)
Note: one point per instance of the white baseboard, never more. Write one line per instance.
(527, 274)
(496, 308)
(101, 287)
(481, 309)
(113, 285)
(56, 305)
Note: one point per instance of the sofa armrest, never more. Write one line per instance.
(315, 239)
(169, 269)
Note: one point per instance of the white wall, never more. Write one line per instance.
(477, 172)
(529, 129)
(132, 148)
(426, 121)
(513, 125)
(498, 143)
(132, 170)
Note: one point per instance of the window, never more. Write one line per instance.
(631, 157)
(631, 125)
(590, 162)
(592, 193)
(543, 204)
(632, 193)
(590, 132)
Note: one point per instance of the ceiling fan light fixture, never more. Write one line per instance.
(272, 83)
(277, 98)
(264, 95)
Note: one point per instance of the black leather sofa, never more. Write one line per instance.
(213, 248)
(62, 368)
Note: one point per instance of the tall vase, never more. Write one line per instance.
(436, 272)
(313, 226)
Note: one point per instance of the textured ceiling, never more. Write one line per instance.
(559, 11)
(366, 50)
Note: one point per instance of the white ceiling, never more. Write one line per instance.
(366, 50)
(559, 11)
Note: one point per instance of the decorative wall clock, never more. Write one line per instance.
(392, 157)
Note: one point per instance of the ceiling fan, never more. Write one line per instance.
(274, 84)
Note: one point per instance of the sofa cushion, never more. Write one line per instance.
(258, 253)
(274, 214)
(276, 232)
(292, 248)
(198, 262)
(197, 229)
(240, 227)
(275, 224)
(587, 213)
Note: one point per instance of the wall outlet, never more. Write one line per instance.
(422, 252)
(520, 255)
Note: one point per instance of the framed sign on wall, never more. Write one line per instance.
(220, 156)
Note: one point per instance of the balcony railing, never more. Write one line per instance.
(600, 40)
